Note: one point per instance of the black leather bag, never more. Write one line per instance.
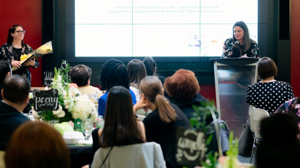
(246, 141)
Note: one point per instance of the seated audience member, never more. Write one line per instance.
(123, 136)
(161, 124)
(36, 144)
(81, 75)
(279, 146)
(150, 65)
(4, 72)
(15, 94)
(113, 73)
(268, 94)
(183, 90)
(291, 107)
(136, 71)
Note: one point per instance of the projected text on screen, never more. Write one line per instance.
(159, 28)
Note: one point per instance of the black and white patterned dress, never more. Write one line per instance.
(8, 53)
(270, 95)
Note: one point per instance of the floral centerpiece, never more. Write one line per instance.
(72, 105)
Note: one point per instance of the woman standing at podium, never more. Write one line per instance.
(240, 45)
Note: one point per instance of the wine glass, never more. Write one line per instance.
(87, 127)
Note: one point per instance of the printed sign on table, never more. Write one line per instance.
(191, 147)
(45, 100)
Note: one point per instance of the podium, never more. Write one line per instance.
(232, 77)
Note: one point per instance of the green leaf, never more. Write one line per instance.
(209, 138)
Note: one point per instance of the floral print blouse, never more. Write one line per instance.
(292, 108)
(238, 50)
(7, 53)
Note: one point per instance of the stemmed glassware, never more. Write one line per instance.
(87, 127)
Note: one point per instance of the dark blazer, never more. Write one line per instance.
(10, 120)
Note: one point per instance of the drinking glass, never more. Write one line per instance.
(87, 127)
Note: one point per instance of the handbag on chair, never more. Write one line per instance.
(246, 141)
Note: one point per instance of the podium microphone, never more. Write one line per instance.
(234, 45)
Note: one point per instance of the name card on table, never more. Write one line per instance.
(191, 147)
(45, 100)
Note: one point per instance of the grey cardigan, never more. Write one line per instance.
(134, 156)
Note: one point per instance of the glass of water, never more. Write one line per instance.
(87, 127)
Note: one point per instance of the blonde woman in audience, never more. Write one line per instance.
(161, 124)
(81, 75)
(35, 145)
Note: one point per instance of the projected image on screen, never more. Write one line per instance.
(161, 28)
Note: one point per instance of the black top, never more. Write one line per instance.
(18, 53)
(186, 106)
(95, 136)
(1, 86)
(165, 133)
(270, 95)
(10, 120)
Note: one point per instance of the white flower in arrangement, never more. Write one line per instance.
(83, 108)
(57, 84)
(59, 78)
(69, 102)
(74, 92)
(59, 112)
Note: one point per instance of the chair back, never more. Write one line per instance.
(258, 115)
(251, 117)
(2, 162)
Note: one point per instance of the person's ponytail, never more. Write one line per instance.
(166, 112)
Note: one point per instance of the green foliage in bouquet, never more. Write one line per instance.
(232, 152)
(60, 82)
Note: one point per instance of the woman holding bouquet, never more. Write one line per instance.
(14, 48)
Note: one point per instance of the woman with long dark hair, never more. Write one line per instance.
(121, 127)
(122, 132)
(14, 48)
(165, 118)
(240, 45)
